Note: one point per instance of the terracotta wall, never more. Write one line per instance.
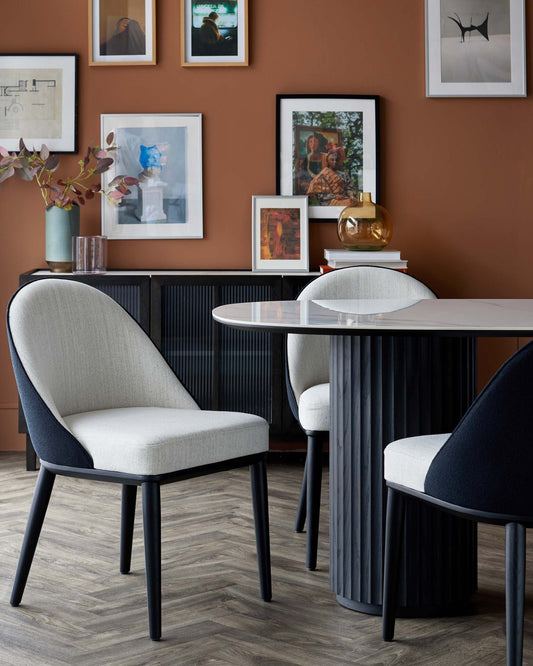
(456, 173)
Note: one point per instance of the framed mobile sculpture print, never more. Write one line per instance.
(164, 151)
(475, 48)
(327, 149)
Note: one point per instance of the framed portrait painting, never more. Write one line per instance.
(328, 150)
(214, 33)
(475, 48)
(38, 101)
(280, 233)
(122, 32)
(164, 151)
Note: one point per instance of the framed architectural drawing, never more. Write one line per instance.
(164, 151)
(214, 33)
(280, 234)
(327, 149)
(38, 101)
(475, 48)
(122, 33)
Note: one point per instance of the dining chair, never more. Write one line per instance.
(482, 472)
(307, 376)
(101, 403)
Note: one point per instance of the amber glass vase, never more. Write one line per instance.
(364, 225)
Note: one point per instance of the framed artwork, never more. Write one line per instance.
(122, 32)
(164, 151)
(328, 150)
(214, 33)
(38, 101)
(280, 233)
(475, 48)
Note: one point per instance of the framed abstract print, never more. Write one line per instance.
(328, 150)
(280, 234)
(164, 151)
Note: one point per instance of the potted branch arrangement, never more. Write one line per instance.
(63, 196)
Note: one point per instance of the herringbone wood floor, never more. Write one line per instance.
(77, 608)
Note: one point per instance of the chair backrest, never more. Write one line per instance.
(74, 349)
(308, 355)
(487, 462)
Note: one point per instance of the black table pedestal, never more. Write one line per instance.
(386, 388)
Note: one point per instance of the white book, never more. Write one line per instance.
(371, 262)
(350, 255)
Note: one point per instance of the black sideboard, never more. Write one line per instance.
(222, 368)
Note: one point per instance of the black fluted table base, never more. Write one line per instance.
(382, 389)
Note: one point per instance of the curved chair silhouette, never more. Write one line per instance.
(308, 374)
(481, 471)
(101, 403)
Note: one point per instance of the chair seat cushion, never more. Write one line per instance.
(407, 460)
(313, 408)
(157, 440)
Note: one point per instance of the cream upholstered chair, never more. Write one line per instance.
(308, 374)
(101, 403)
(482, 472)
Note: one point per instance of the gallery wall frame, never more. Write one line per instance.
(475, 48)
(280, 234)
(39, 100)
(214, 38)
(312, 127)
(164, 151)
(128, 39)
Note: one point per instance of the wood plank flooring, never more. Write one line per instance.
(77, 608)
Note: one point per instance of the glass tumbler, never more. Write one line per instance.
(89, 254)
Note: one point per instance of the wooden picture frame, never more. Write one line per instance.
(122, 33)
(475, 50)
(280, 234)
(39, 100)
(164, 151)
(210, 38)
(345, 124)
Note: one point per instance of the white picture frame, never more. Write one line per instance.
(280, 234)
(475, 48)
(165, 152)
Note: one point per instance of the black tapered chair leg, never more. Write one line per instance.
(515, 570)
(41, 498)
(129, 497)
(260, 503)
(151, 496)
(393, 542)
(302, 503)
(315, 445)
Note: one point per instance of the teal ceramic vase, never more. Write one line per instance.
(61, 226)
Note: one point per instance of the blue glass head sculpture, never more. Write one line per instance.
(150, 157)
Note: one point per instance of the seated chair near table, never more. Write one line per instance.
(308, 374)
(101, 403)
(481, 471)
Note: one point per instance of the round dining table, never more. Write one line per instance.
(398, 368)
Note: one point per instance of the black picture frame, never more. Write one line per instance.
(355, 118)
(50, 116)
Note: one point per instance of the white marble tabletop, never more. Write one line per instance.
(479, 317)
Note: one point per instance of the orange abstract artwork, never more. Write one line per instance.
(280, 233)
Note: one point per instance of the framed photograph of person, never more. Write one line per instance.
(214, 33)
(164, 151)
(280, 233)
(122, 32)
(328, 150)
(38, 101)
(475, 48)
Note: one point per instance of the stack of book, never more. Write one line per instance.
(343, 258)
